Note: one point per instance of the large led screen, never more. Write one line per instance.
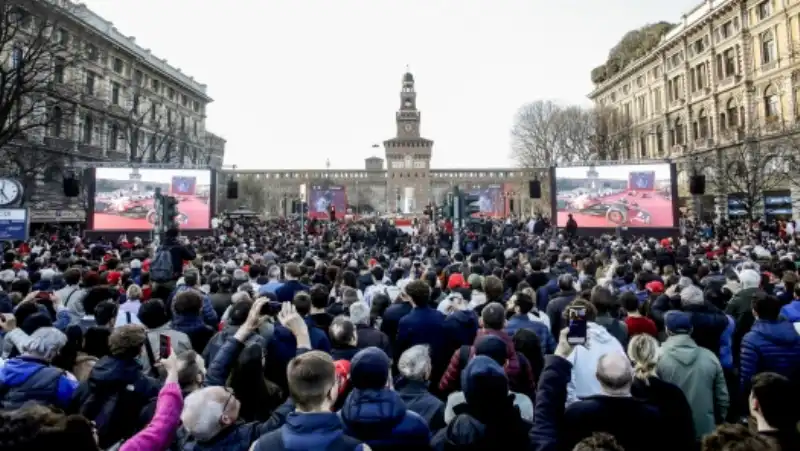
(124, 197)
(321, 197)
(490, 200)
(609, 196)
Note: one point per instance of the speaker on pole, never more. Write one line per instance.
(72, 186)
(697, 185)
(233, 189)
(535, 189)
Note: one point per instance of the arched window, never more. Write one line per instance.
(679, 132)
(88, 128)
(642, 145)
(56, 122)
(732, 112)
(771, 103)
(768, 53)
(702, 125)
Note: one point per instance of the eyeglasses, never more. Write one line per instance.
(227, 401)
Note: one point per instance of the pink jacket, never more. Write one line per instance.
(158, 435)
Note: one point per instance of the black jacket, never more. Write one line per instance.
(628, 419)
(419, 400)
(370, 336)
(178, 253)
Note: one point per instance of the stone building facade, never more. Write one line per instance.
(726, 76)
(130, 106)
(402, 181)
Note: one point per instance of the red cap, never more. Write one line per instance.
(655, 287)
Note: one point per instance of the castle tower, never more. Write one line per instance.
(408, 156)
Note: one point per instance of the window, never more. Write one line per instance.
(771, 103)
(674, 89)
(627, 110)
(56, 122)
(626, 89)
(171, 94)
(195, 106)
(700, 77)
(169, 118)
(136, 103)
(642, 145)
(640, 82)
(154, 85)
(730, 112)
(660, 140)
(153, 108)
(767, 48)
(92, 53)
(113, 137)
(726, 30)
(699, 46)
(115, 87)
(679, 132)
(119, 66)
(729, 58)
(58, 70)
(657, 72)
(138, 77)
(183, 123)
(657, 99)
(88, 127)
(184, 100)
(17, 56)
(90, 82)
(194, 126)
(642, 107)
(63, 37)
(764, 9)
(702, 125)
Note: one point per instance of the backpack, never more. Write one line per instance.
(40, 387)
(161, 269)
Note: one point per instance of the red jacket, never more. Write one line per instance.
(520, 379)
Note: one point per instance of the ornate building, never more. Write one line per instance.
(725, 76)
(407, 183)
(125, 104)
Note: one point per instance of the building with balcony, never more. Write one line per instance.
(127, 105)
(727, 74)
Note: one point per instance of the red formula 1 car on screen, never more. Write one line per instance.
(620, 212)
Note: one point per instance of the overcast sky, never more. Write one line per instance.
(296, 82)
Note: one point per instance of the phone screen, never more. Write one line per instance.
(576, 335)
(164, 346)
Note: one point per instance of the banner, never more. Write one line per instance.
(320, 197)
(778, 205)
(14, 224)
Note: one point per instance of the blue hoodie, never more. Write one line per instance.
(306, 431)
(19, 370)
(791, 311)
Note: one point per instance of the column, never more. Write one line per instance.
(103, 135)
(76, 128)
(788, 88)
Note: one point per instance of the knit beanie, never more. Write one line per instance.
(369, 368)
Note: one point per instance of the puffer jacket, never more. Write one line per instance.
(772, 346)
(380, 419)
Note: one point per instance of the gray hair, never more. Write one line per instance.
(359, 313)
(201, 414)
(692, 295)
(45, 343)
(240, 296)
(240, 275)
(274, 272)
(749, 279)
(415, 363)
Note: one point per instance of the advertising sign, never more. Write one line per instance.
(778, 205)
(14, 224)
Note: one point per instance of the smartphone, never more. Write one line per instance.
(576, 334)
(271, 308)
(164, 346)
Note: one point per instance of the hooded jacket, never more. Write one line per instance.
(697, 372)
(772, 346)
(583, 382)
(25, 379)
(308, 431)
(380, 419)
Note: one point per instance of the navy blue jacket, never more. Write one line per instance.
(380, 419)
(286, 292)
(551, 396)
(423, 325)
(392, 317)
(769, 346)
(308, 431)
(546, 339)
(419, 400)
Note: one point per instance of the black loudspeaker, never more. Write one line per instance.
(511, 205)
(72, 187)
(534, 189)
(697, 185)
(233, 189)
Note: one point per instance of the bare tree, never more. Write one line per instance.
(34, 93)
(545, 133)
(747, 170)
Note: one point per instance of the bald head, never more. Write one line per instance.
(615, 374)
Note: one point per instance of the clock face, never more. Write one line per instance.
(409, 127)
(10, 191)
(408, 104)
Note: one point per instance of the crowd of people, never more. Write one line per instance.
(357, 336)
